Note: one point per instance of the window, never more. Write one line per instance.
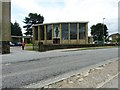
(36, 33)
(65, 30)
(73, 31)
(49, 32)
(82, 29)
(56, 31)
(42, 32)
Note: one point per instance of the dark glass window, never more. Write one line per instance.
(56, 28)
(36, 33)
(49, 32)
(82, 28)
(42, 32)
(73, 31)
(65, 31)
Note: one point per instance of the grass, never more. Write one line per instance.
(29, 44)
(92, 48)
(76, 49)
(29, 49)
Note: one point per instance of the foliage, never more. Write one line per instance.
(16, 29)
(33, 18)
(99, 31)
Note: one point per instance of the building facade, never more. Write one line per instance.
(61, 33)
(114, 38)
(26, 39)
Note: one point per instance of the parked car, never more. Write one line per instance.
(17, 43)
(99, 42)
(12, 44)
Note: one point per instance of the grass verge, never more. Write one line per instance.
(78, 49)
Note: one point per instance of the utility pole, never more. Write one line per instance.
(103, 31)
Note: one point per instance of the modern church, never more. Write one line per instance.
(60, 33)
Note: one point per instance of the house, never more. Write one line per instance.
(114, 38)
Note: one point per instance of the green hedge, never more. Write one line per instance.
(53, 47)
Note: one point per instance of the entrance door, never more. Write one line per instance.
(56, 41)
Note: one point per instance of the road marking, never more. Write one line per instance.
(102, 84)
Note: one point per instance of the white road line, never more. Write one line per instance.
(102, 84)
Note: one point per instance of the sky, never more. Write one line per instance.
(92, 11)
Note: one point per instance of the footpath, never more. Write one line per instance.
(92, 78)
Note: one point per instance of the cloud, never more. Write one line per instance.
(69, 10)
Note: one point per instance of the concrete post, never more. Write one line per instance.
(52, 33)
(86, 31)
(33, 39)
(60, 34)
(5, 26)
(45, 33)
(69, 33)
(77, 33)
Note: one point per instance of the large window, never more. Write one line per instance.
(65, 30)
(49, 32)
(56, 30)
(42, 32)
(36, 33)
(73, 31)
(82, 29)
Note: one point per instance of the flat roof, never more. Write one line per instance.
(21, 36)
(61, 22)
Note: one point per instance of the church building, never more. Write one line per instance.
(60, 33)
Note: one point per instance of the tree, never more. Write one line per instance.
(117, 38)
(99, 32)
(16, 29)
(33, 18)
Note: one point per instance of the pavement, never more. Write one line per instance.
(19, 55)
(112, 83)
(103, 76)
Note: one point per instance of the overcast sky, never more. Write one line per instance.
(68, 10)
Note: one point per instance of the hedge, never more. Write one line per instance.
(41, 47)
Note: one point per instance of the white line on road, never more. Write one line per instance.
(112, 77)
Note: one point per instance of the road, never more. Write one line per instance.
(20, 73)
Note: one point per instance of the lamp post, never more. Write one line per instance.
(103, 31)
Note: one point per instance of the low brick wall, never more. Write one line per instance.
(53, 47)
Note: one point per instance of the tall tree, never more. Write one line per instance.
(16, 29)
(99, 32)
(33, 18)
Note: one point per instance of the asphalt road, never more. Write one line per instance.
(17, 74)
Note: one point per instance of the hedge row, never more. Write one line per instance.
(53, 47)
